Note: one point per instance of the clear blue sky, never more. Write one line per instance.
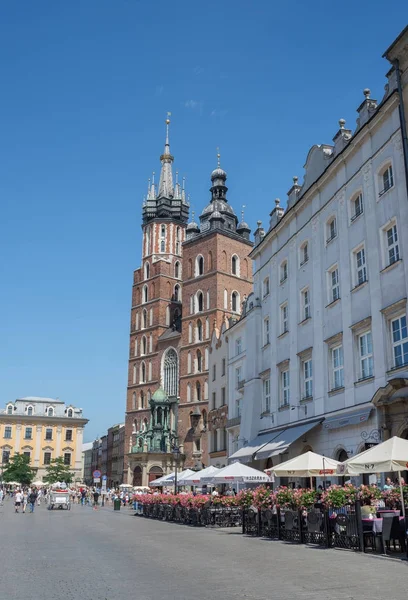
(85, 90)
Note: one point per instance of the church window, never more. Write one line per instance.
(177, 270)
(235, 265)
(170, 373)
(235, 302)
(144, 319)
(145, 293)
(146, 270)
(199, 266)
(199, 302)
(198, 391)
(199, 335)
(199, 362)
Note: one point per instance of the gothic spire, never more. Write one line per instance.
(166, 189)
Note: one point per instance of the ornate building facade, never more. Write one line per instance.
(193, 276)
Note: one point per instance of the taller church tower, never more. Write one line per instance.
(192, 278)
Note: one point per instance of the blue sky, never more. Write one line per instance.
(85, 91)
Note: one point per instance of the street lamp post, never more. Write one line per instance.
(176, 454)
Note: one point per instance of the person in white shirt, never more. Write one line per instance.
(17, 500)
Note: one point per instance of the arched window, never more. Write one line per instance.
(206, 389)
(162, 238)
(226, 299)
(146, 270)
(177, 241)
(199, 266)
(190, 332)
(50, 412)
(144, 346)
(177, 293)
(199, 332)
(208, 299)
(141, 400)
(189, 362)
(199, 302)
(199, 362)
(235, 302)
(170, 373)
(331, 229)
(151, 343)
(9, 409)
(145, 294)
(145, 424)
(134, 374)
(188, 392)
(135, 426)
(198, 391)
(207, 328)
(142, 378)
(387, 179)
(224, 261)
(135, 348)
(304, 253)
(235, 265)
(177, 273)
(134, 401)
(151, 317)
(144, 319)
(150, 371)
(30, 411)
(210, 261)
(147, 241)
(70, 413)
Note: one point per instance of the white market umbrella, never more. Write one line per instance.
(11, 483)
(37, 483)
(390, 456)
(308, 464)
(170, 480)
(239, 473)
(125, 485)
(200, 477)
(159, 482)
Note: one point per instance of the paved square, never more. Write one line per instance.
(105, 555)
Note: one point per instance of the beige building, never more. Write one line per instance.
(43, 429)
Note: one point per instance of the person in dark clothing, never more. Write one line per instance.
(32, 498)
(96, 498)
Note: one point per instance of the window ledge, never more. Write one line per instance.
(266, 345)
(303, 263)
(391, 266)
(284, 407)
(333, 303)
(265, 413)
(282, 281)
(384, 192)
(305, 321)
(359, 286)
(396, 369)
(306, 400)
(282, 335)
(329, 240)
(335, 391)
(363, 381)
(355, 217)
(265, 296)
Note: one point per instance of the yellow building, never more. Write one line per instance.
(43, 429)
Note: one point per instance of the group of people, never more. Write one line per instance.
(23, 497)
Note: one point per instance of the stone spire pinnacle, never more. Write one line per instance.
(166, 188)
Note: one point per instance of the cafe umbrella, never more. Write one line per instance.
(310, 464)
(199, 477)
(239, 473)
(389, 456)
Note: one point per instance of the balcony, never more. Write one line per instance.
(233, 422)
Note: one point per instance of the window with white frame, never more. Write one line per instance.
(266, 333)
(162, 238)
(284, 271)
(331, 229)
(285, 389)
(238, 346)
(235, 265)
(238, 376)
(267, 395)
(177, 240)
(145, 294)
(386, 179)
(337, 363)
(360, 266)
(307, 374)
(265, 291)
(334, 284)
(399, 341)
(365, 350)
(305, 298)
(199, 266)
(304, 253)
(357, 206)
(392, 244)
(284, 318)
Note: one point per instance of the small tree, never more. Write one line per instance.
(58, 471)
(18, 469)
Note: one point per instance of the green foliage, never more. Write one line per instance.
(58, 471)
(18, 469)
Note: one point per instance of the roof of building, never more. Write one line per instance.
(41, 399)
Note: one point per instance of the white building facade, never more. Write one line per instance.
(326, 340)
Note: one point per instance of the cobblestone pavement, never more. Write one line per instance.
(105, 555)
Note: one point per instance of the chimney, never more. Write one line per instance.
(366, 109)
(342, 137)
(293, 193)
(276, 214)
(259, 233)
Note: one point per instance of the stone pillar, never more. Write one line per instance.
(58, 442)
(37, 455)
(18, 437)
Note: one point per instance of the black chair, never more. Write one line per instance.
(390, 531)
(369, 537)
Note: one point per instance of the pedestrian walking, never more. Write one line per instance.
(96, 498)
(25, 500)
(31, 500)
(17, 500)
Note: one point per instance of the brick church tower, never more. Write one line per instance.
(191, 278)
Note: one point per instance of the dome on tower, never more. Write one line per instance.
(218, 173)
(243, 226)
(160, 395)
(216, 216)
